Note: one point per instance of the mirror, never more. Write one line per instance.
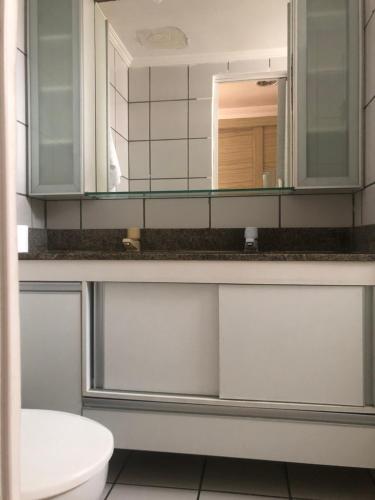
(191, 95)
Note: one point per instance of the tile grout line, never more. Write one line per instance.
(127, 458)
(202, 477)
(149, 129)
(288, 480)
(188, 126)
(369, 19)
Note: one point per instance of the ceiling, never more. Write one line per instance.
(216, 29)
(246, 99)
(246, 93)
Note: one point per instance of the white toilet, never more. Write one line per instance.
(63, 456)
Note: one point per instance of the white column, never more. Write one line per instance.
(9, 314)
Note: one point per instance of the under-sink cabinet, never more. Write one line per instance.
(157, 338)
(51, 325)
(263, 371)
(265, 343)
(293, 343)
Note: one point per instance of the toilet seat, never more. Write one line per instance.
(60, 451)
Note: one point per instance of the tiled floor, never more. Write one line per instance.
(135, 475)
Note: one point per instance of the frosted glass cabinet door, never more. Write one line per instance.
(55, 96)
(327, 79)
(297, 344)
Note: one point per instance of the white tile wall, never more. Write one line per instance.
(21, 158)
(63, 214)
(121, 75)
(112, 107)
(200, 161)
(21, 87)
(369, 9)
(122, 153)
(370, 143)
(358, 209)
(279, 64)
(370, 60)
(365, 203)
(139, 121)
(122, 116)
(201, 78)
(139, 159)
(23, 210)
(169, 82)
(169, 184)
(258, 211)
(249, 66)
(169, 120)
(21, 39)
(368, 205)
(325, 210)
(139, 84)
(169, 159)
(200, 118)
(139, 185)
(177, 213)
(112, 214)
(200, 184)
(38, 213)
(111, 64)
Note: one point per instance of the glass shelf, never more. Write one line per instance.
(204, 193)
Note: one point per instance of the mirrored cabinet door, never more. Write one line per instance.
(327, 78)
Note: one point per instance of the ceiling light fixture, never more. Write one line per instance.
(169, 37)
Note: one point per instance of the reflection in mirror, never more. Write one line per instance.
(191, 95)
(251, 127)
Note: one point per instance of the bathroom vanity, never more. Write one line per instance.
(264, 356)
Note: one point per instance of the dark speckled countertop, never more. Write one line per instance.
(311, 244)
(201, 255)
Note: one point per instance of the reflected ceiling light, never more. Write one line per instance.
(158, 2)
(169, 37)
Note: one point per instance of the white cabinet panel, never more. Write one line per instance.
(51, 350)
(160, 337)
(292, 343)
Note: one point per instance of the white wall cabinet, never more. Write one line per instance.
(61, 96)
(326, 71)
(51, 346)
(161, 338)
(301, 344)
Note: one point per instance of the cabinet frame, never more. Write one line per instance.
(83, 95)
(297, 69)
(105, 398)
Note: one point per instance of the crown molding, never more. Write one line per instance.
(215, 57)
(119, 46)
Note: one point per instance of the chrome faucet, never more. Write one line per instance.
(251, 238)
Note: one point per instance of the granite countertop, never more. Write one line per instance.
(311, 244)
(205, 255)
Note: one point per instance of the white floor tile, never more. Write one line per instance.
(115, 464)
(245, 476)
(127, 492)
(215, 495)
(162, 469)
(330, 483)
